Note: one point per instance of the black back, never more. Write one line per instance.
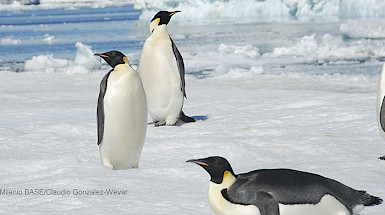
(295, 187)
(180, 64)
(100, 107)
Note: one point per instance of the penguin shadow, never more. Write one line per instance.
(197, 118)
(200, 118)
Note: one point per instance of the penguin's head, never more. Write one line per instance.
(114, 58)
(217, 167)
(161, 18)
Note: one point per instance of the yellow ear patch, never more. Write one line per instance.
(225, 174)
(125, 59)
(154, 24)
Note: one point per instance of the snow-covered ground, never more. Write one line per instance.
(48, 140)
(298, 95)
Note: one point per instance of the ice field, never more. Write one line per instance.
(277, 90)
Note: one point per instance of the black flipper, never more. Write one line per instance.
(185, 118)
(180, 63)
(382, 120)
(382, 115)
(265, 202)
(100, 108)
(369, 200)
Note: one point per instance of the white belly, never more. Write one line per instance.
(161, 79)
(327, 206)
(125, 123)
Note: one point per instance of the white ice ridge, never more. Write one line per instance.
(231, 60)
(248, 50)
(84, 62)
(249, 9)
(363, 29)
(51, 4)
(326, 48)
(241, 10)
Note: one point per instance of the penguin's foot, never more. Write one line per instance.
(160, 123)
(382, 158)
(171, 120)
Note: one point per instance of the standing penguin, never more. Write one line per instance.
(162, 71)
(121, 113)
(381, 105)
(279, 192)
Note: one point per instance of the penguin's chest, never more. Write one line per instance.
(220, 206)
(124, 109)
(118, 96)
(158, 66)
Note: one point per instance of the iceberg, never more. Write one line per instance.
(10, 41)
(219, 10)
(251, 10)
(84, 62)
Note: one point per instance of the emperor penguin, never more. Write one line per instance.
(121, 114)
(162, 70)
(381, 105)
(279, 192)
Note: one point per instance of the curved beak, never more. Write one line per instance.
(101, 55)
(197, 161)
(174, 12)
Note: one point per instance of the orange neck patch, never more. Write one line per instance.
(226, 174)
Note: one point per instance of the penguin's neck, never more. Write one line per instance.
(218, 203)
(215, 189)
(121, 69)
(160, 31)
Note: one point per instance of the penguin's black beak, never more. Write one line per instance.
(174, 12)
(197, 161)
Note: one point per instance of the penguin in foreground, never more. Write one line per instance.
(162, 71)
(121, 114)
(381, 105)
(279, 192)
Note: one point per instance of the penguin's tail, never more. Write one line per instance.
(369, 200)
(185, 118)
